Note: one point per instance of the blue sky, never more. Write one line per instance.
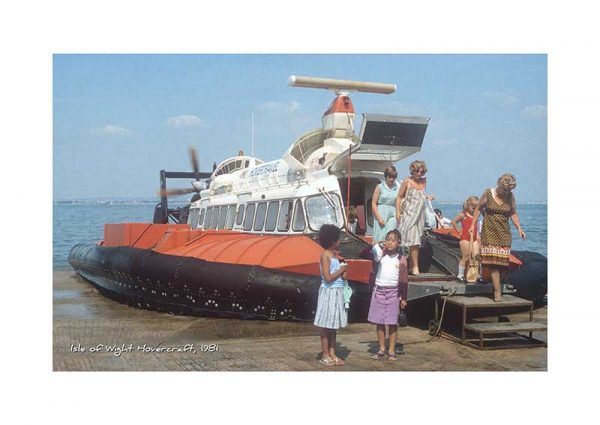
(119, 119)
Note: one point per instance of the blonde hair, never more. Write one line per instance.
(418, 164)
(507, 181)
(471, 200)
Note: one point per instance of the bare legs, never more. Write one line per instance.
(466, 253)
(465, 250)
(328, 341)
(414, 257)
(381, 338)
(325, 343)
(476, 249)
(393, 332)
(495, 274)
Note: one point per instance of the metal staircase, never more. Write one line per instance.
(474, 328)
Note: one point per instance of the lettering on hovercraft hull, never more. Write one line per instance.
(264, 169)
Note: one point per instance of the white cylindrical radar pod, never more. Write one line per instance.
(342, 85)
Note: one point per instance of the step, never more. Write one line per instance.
(488, 302)
(431, 277)
(507, 335)
(504, 327)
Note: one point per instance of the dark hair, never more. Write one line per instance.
(328, 234)
(437, 211)
(394, 232)
(390, 171)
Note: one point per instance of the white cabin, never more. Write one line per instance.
(308, 187)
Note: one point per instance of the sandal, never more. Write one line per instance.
(392, 357)
(338, 362)
(415, 271)
(378, 355)
(461, 279)
(327, 361)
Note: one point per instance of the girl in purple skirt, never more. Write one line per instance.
(389, 293)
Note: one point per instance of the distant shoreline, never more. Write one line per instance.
(94, 202)
(148, 202)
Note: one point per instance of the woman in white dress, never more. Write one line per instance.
(410, 211)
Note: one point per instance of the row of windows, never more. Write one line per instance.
(232, 166)
(253, 216)
(272, 216)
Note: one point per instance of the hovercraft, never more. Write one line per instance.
(246, 244)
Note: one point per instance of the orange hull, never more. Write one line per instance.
(289, 253)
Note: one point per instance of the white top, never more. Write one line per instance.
(388, 271)
(446, 222)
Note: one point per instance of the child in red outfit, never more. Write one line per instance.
(465, 218)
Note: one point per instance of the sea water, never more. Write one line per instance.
(534, 222)
(77, 222)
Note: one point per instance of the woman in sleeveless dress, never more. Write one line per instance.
(383, 205)
(498, 205)
(410, 211)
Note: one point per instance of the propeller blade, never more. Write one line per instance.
(171, 192)
(194, 158)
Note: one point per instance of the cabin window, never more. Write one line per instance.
(193, 218)
(193, 215)
(299, 223)
(259, 221)
(201, 219)
(324, 210)
(272, 216)
(223, 217)
(249, 217)
(240, 215)
(206, 223)
(230, 217)
(214, 219)
(285, 216)
(370, 212)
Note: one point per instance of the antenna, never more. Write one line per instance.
(253, 134)
(340, 85)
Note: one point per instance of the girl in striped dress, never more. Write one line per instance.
(410, 211)
(331, 313)
(498, 206)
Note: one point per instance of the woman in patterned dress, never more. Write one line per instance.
(497, 205)
(410, 211)
(383, 205)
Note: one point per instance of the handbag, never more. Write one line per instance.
(402, 320)
(473, 270)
